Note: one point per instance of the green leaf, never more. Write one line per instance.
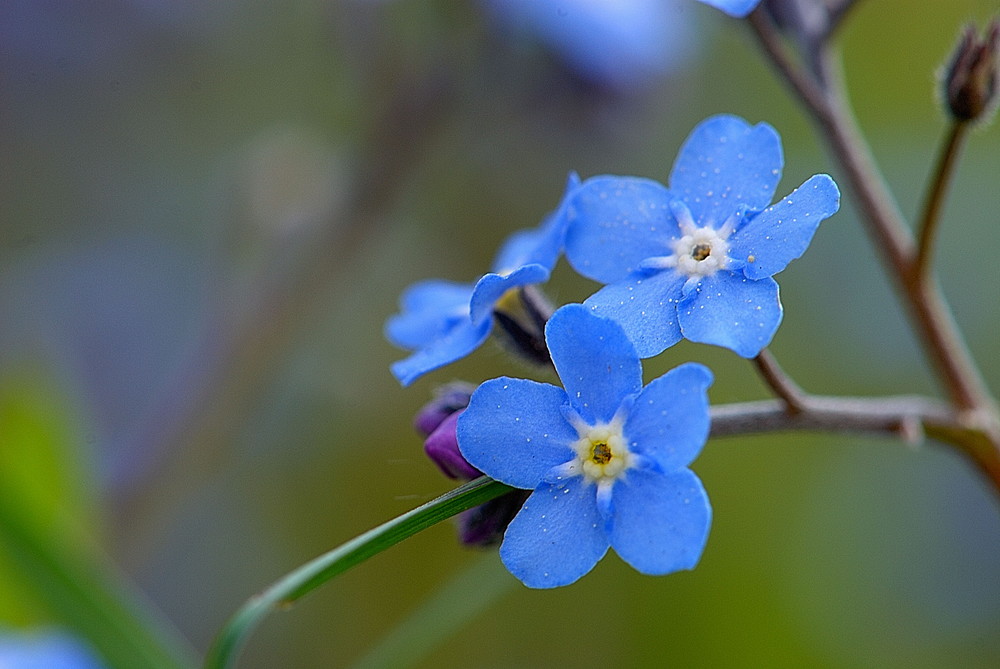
(49, 558)
(313, 574)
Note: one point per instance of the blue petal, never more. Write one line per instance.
(615, 223)
(429, 310)
(724, 163)
(491, 288)
(732, 311)
(661, 521)
(668, 423)
(645, 307)
(557, 537)
(541, 245)
(514, 431)
(595, 360)
(737, 8)
(463, 338)
(781, 233)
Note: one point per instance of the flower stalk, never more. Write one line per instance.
(824, 96)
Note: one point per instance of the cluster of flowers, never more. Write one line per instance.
(606, 459)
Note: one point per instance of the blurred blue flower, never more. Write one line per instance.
(738, 8)
(606, 458)
(443, 321)
(619, 43)
(696, 260)
(44, 650)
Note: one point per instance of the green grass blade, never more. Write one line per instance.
(315, 573)
(85, 593)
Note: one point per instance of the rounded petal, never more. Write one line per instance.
(782, 232)
(669, 421)
(429, 309)
(726, 162)
(595, 360)
(615, 223)
(556, 537)
(513, 430)
(661, 521)
(737, 8)
(645, 307)
(732, 311)
(491, 288)
(463, 338)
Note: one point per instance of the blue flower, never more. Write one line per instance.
(606, 459)
(696, 260)
(618, 43)
(443, 321)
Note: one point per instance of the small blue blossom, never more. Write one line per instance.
(696, 260)
(607, 460)
(443, 321)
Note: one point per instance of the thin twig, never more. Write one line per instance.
(824, 95)
(783, 386)
(935, 199)
(893, 241)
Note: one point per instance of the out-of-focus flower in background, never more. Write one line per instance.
(621, 44)
(44, 649)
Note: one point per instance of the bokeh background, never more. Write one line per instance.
(208, 210)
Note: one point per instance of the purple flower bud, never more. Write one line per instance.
(971, 79)
(442, 447)
(485, 524)
(448, 399)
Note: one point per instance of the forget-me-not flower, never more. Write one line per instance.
(443, 321)
(607, 460)
(696, 260)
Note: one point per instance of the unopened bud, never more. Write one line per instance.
(447, 400)
(485, 524)
(441, 446)
(971, 79)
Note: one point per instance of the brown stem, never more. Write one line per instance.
(783, 386)
(824, 96)
(935, 199)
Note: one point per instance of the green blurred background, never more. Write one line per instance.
(207, 211)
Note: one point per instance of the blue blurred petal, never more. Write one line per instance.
(557, 537)
(668, 423)
(491, 287)
(44, 650)
(463, 338)
(645, 307)
(782, 232)
(514, 431)
(616, 223)
(737, 8)
(619, 43)
(430, 309)
(726, 162)
(661, 521)
(595, 360)
(730, 310)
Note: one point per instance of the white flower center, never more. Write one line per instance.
(700, 251)
(601, 451)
